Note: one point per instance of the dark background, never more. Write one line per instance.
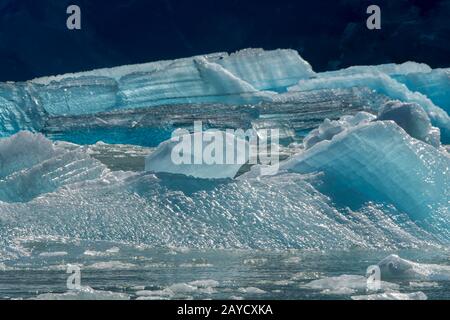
(34, 40)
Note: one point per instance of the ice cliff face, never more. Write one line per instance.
(364, 157)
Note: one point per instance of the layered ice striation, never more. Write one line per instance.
(277, 88)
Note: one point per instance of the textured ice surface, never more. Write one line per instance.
(328, 129)
(179, 155)
(84, 293)
(32, 165)
(346, 284)
(379, 161)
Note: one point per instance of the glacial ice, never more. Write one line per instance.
(413, 119)
(391, 69)
(328, 129)
(382, 84)
(283, 211)
(363, 179)
(394, 267)
(179, 155)
(379, 161)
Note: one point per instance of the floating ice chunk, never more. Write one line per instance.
(383, 84)
(423, 284)
(200, 155)
(413, 119)
(165, 293)
(393, 295)
(251, 290)
(53, 254)
(84, 293)
(111, 265)
(328, 129)
(108, 252)
(379, 161)
(346, 283)
(394, 267)
(182, 288)
(339, 291)
(204, 283)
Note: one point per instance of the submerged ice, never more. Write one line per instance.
(364, 163)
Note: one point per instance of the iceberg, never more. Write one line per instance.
(364, 168)
(244, 77)
(328, 129)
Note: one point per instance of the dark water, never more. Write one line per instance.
(130, 272)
